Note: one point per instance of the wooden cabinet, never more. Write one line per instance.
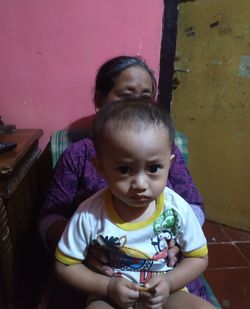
(18, 206)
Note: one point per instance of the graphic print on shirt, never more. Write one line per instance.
(138, 265)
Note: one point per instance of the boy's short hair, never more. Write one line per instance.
(132, 113)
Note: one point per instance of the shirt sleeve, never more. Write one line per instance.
(76, 238)
(181, 181)
(191, 237)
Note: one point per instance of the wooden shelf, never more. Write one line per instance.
(18, 201)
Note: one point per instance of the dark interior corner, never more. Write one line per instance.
(167, 53)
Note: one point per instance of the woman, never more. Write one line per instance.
(75, 178)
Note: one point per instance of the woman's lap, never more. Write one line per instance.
(62, 297)
(198, 288)
(182, 299)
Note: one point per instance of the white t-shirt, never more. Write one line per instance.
(138, 250)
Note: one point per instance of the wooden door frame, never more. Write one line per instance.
(167, 53)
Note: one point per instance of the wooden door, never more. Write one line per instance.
(211, 103)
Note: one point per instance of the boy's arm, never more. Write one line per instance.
(158, 289)
(120, 290)
(82, 278)
(187, 270)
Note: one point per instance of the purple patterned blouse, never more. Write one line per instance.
(75, 179)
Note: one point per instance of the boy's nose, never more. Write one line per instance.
(139, 183)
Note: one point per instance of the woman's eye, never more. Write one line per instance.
(155, 168)
(147, 95)
(126, 95)
(123, 169)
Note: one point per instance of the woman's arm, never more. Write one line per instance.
(54, 233)
(55, 210)
(74, 180)
(182, 183)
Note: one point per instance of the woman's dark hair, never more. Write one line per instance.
(111, 70)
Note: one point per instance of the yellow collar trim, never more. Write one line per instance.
(130, 226)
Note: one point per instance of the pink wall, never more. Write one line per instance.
(50, 51)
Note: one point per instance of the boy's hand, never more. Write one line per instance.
(123, 292)
(156, 293)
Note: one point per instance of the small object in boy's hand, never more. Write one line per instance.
(7, 147)
(150, 290)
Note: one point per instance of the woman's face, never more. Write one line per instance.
(131, 83)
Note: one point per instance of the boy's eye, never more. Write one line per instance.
(155, 168)
(123, 169)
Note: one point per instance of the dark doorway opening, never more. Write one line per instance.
(167, 54)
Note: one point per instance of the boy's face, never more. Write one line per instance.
(136, 165)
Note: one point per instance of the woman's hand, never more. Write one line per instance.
(173, 253)
(123, 292)
(97, 260)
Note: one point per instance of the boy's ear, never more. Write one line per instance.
(97, 164)
(172, 159)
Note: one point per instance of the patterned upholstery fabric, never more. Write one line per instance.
(61, 139)
(181, 141)
(58, 143)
